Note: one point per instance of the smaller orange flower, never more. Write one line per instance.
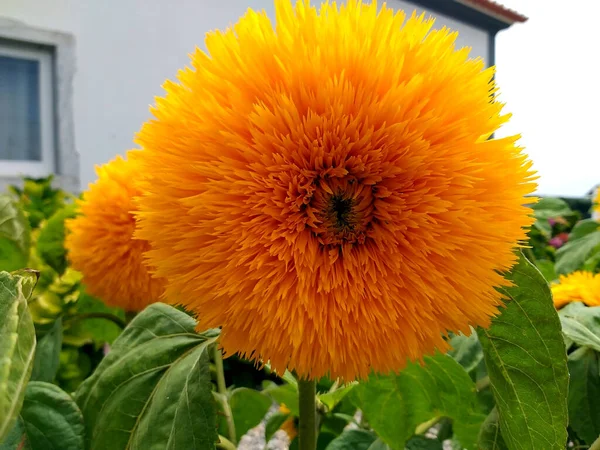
(100, 244)
(578, 286)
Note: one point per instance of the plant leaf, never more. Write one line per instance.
(466, 350)
(286, 394)
(153, 390)
(50, 242)
(548, 207)
(490, 437)
(331, 399)
(526, 362)
(49, 420)
(15, 235)
(248, 408)
(422, 443)
(47, 354)
(574, 253)
(579, 333)
(584, 392)
(274, 423)
(353, 440)
(395, 404)
(17, 344)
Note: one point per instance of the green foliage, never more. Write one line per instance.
(14, 235)
(17, 345)
(395, 405)
(49, 420)
(50, 246)
(353, 440)
(576, 252)
(526, 361)
(248, 408)
(47, 354)
(38, 199)
(153, 390)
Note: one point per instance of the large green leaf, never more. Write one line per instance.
(50, 243)
(248, 408)
(395, 404)
(526, 362)
(574, 253)
(47, 354)
(490, 437)
(17, 344)
(353, 440)
(15, 235)
(583, 228)
(153, 390)
(49, 420)
(584, 393)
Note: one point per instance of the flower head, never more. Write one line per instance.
(100, 244)
(578, 286)
(326, 190)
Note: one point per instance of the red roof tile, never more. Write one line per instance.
(496, 10)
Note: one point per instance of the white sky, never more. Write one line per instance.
(548, 77)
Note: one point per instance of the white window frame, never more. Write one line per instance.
(46, 165)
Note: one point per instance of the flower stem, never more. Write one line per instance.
(307, 433)
(222, 389)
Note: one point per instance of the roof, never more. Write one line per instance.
(496, 10)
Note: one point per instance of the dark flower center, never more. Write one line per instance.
(341, 213)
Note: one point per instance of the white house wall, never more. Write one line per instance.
(125, 49)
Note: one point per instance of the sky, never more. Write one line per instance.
(547, 71)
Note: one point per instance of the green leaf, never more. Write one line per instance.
(153, 390)
(47, 354)
(547, 268)
(274, 423)
(395, 405)
(466, 350)
(49, 420)
(583, 228)
(50, 243)
(17, 345)
(15, 235)
(331, 399)
(248, 408)
(548, 208)
(353, 440)
(422, 443)
(526, 361)
(490, 437)
(98, 331)
(286, 394)
(578, 333)
(574, 253)
(584, 392)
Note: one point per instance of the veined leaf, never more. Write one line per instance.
(49, 420)
(490, 437)
(526, 361)
(153, 390)
(17, 344)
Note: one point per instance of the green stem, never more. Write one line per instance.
(98, 315)
(225, 444)
(307, 433)
(222, 389)
(596, 444)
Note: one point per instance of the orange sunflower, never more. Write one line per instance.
(326, 192)
(100, 243)
(578, 286)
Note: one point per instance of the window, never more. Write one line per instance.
(26, 110)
